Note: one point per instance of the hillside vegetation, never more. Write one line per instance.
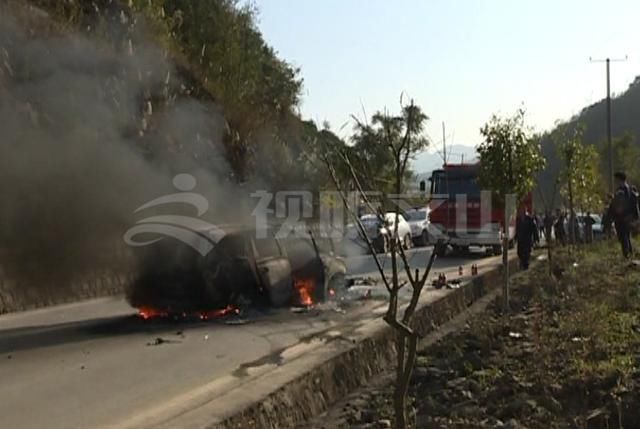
(625, 127)
(216, 54)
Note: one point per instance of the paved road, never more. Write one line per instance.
(94, 364)
(418, 257)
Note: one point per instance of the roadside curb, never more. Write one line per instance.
(309, 385)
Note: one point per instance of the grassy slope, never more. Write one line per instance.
(567, 356)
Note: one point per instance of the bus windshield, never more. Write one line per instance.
(446, 183)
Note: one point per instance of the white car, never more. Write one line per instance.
(419, 223)
(597, 227)
(379, 234)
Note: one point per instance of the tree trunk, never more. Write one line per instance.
(550, 254)
(505, 239)
(505, 260)
(572, 219)
(407, 352)
(399, 397)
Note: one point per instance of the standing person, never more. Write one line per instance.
(526, 236)
(558, 227)
(588, 228)
(623, 211)
(540, 223)
(540, 226)
(606, 222)
(548, 226)
(536, 225)
(574, 229)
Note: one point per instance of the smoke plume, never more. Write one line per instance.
(89, 134)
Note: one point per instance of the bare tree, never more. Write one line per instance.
(401, 137)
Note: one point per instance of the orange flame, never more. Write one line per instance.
(147, 313)
(151, 313)
(214, 314)
(304, 288)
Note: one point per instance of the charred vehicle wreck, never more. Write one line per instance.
(243, 268)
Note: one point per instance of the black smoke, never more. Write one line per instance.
(89, 132)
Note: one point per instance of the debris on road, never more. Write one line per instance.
(440, 282)
(361, 281)
(454, 284)
(159, 340)
(330, 306)
(236, 321)
(156, 342)
(357, 292)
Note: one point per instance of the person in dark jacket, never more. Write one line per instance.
(620, 213)
(526, 236)
(537, 220)
(548, 226)
(574, 229)
(606, 222)
(588, 227)
(558, 228)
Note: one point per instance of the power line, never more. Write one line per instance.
(608, 61)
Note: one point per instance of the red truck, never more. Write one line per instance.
(463, 214)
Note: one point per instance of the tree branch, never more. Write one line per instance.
(417, 290)
(359, 224)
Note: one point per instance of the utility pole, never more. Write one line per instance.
(444, 144)
(609, 141)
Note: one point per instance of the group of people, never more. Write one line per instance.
(566, 228)
(623, 212)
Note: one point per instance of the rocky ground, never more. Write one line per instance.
(567, 355)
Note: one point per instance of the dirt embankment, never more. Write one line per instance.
(567, 356)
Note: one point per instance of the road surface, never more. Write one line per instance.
(96, 364)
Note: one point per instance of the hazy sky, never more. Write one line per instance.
(460, 60)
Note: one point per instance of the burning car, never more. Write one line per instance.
(242, 268)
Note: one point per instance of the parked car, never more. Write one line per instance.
(380, 232)
(579, 229)
(418, 220)
(597, 227)
(241, 267)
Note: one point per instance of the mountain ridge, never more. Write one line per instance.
(625, 119)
